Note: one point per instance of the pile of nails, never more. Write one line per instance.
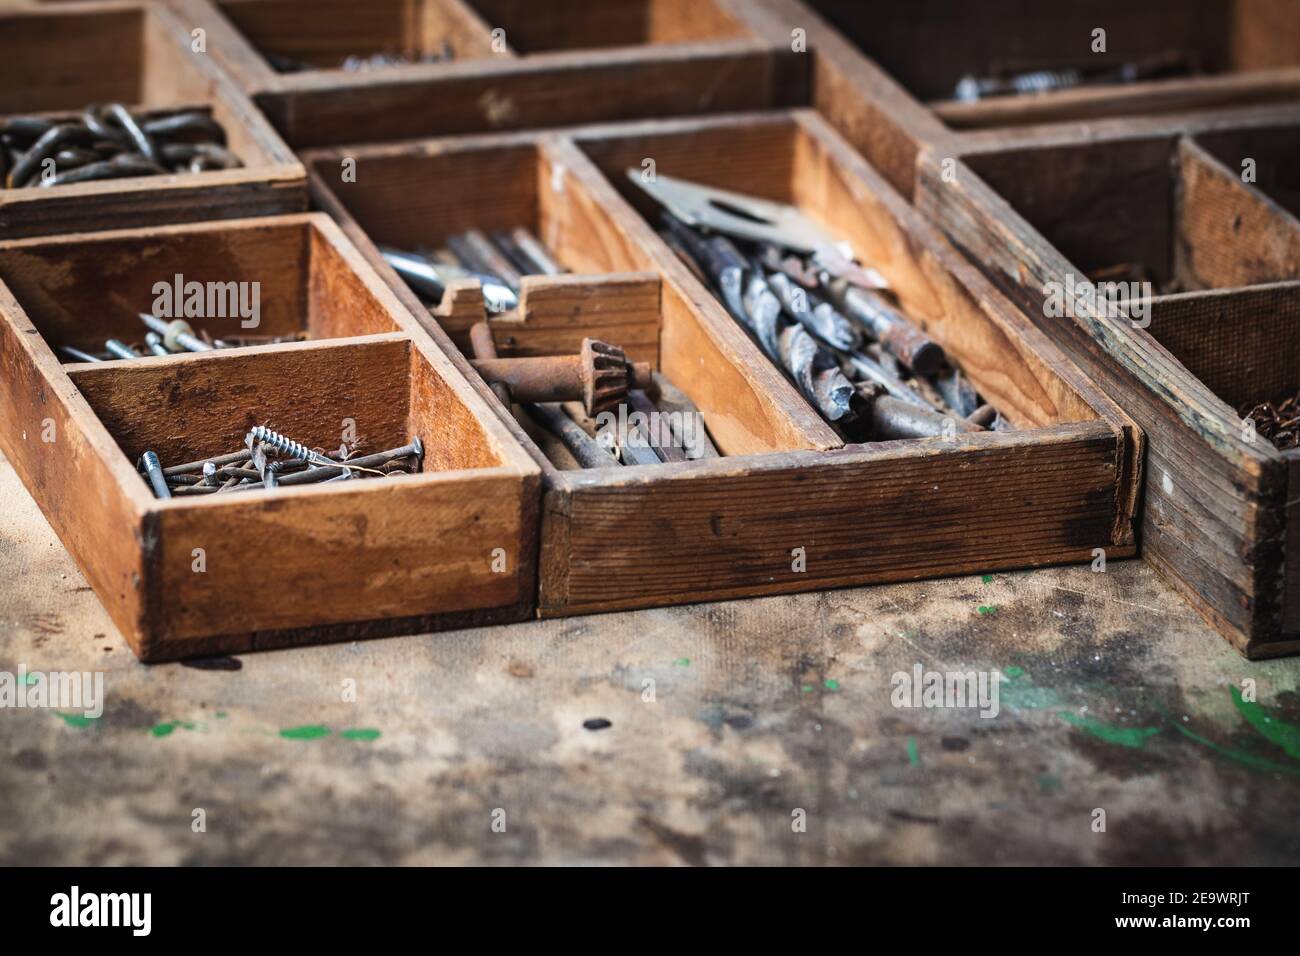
(499, 261)
(169, 337)
(1278, 421)
(109, 142)
(358, 63)
(827, 321)
(271, 460)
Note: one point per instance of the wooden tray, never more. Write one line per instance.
(66, 56)
(288, 565)
(517, 64)
(1220, 503)
(1061, 486)
(1248, 51)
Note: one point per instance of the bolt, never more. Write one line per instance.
(177, 335)
(154, 472)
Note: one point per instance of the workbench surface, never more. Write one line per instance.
(1117, 697)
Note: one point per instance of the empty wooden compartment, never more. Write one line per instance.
(1226, 52)
(242, 570)
(59, 59)
(575, 62)
(1219, 499)
(787, 507)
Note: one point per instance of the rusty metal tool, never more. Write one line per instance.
(599, 376)
(891, 418)
(917, 351)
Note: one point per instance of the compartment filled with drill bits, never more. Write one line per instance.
(145, 294)
(787, 504)
(1075, 59)
(109, 118)
(825, 319)
(335, 71)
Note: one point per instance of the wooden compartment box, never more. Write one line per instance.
(246, 570)
(1217, 335)
(1233, 51)
(1052, 491)
(59, 59)
(515, 65)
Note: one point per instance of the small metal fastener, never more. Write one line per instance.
(367, 462)
(77, 355)
(153, 341)
(120, 349)
(153, 471)
(177, 335)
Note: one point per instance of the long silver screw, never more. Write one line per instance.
(177, 335)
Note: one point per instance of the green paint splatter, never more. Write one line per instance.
(221, 715)
(987, 579)
(1270, 728)
(30, 679)
(832, 684)
(913, 757)
(986, 609)
(305, 732)
(359, 733)
(807, 688)
(166, 728)
(1049, 782)
(1123, 736)
(1240, 756)
(1020, 693)
(683, 662)
(75, 720)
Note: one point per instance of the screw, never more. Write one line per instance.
(177, 335)
(77, 355)
(120, 349)
(154, 343)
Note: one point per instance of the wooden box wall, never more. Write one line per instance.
(1054, 490)
(516, 64)
(287, 565)
(1053, 203)
(61, 58)
(1248, 51)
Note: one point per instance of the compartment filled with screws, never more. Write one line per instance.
(271, 460)
(145, 295)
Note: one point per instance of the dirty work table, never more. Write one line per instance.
(1118, 698)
